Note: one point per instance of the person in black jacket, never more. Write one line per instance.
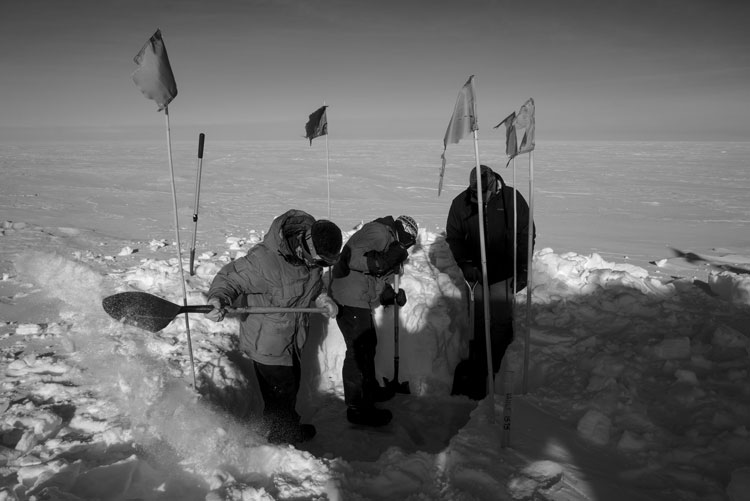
(462, 235)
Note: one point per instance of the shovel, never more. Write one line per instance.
(153, 313)
(393, 385)
(464, 377)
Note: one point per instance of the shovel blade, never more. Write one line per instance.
(397, 387)
(141, 309)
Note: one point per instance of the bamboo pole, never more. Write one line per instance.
(485, 285)
(328, 177)
(177, 239)
(527, 337)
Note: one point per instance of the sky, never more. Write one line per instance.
(616, 70)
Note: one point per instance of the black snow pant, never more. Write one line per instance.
(358, 373)
(279, 385)
(470, 377)
(501, 325)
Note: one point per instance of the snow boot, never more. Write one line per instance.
(306, 432)
(368, 416)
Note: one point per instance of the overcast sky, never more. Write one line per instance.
(388, 69)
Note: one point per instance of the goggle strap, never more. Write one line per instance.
(311, 246)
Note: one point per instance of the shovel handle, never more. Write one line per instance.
(276, 309)
(205, 308)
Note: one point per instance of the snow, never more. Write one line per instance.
(639, 355)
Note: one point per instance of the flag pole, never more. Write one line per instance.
(328, 178)
(201, 139)
(530, 253)
(177, 238)
(485, 285)
(514, 302)
(515, 233)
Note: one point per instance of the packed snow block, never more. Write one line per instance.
(10, 225)
(739, 485)
(595, 426)
(686, 376)
(731, 287)
(126, 251)
(673, 349)
(727, 337)
(534, 478)
(629, 442)
(728, 344)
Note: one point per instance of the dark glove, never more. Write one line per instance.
(401, 297)
(406, 240)
(380, 263)
(471, 273)
(389, 296)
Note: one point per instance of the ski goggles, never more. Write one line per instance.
(311, 255)
(489, 187)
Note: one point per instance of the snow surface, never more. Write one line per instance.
(639, 323)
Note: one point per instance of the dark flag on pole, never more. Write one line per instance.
(511, 148)
(511, 144)
(317, 125)
(154, 74)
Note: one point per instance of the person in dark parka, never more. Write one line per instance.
(463, 238)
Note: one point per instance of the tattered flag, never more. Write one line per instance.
(462, 122)
(521, 126)
(524, 126)
(511, 148)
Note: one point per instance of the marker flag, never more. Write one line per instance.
(317, 125)
(154, 74)
(462, 122)
(524, 126)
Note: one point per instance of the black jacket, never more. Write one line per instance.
(462, 232)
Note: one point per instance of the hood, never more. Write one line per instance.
(290, 223)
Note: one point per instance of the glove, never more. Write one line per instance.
(471, 273)
(406, 240)
(218, 313)
(395, 257)
(380, 263)
(325, 301)
(401, 297)
(389, 296)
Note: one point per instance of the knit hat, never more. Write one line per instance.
(409, 226)
(325, 241)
